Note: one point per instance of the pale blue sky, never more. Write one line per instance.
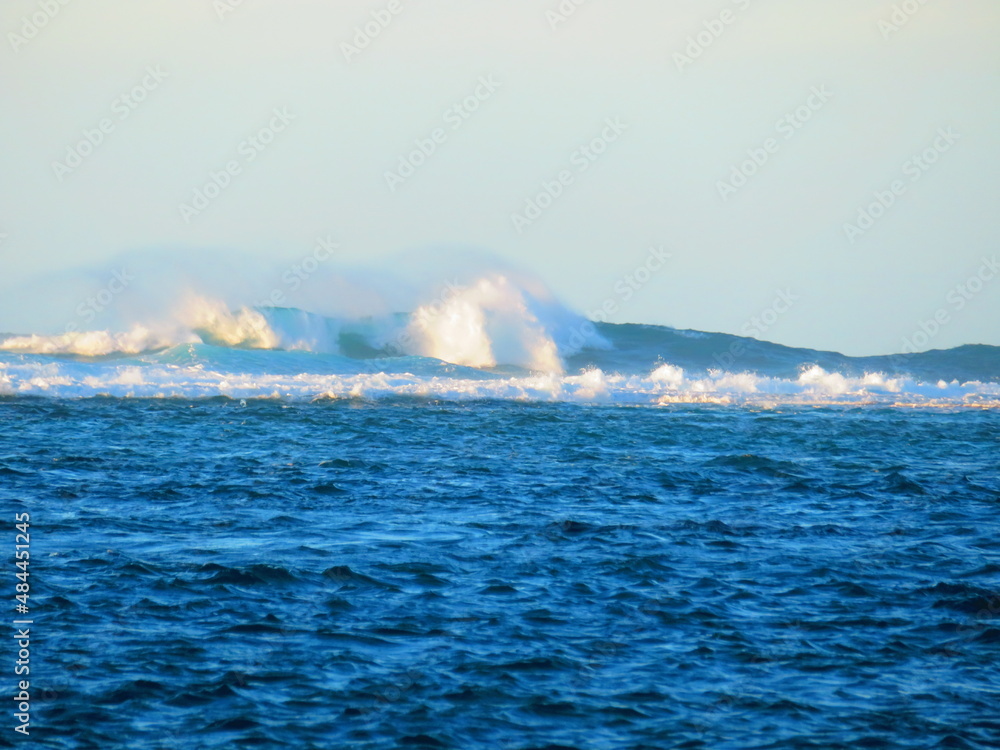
(888, 93)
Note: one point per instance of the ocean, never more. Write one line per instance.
(282, 530)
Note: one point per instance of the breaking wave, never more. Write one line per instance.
(491, 339)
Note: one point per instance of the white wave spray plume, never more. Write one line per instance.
(488, 323)
(197, 320)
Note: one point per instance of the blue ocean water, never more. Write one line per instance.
(418, 572)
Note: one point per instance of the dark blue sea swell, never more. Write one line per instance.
(408, 573)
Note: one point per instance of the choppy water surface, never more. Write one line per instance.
(408, 573)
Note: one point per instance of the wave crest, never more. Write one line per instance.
(200, 321)
(90, 343)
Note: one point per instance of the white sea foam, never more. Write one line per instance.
(69, 379)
